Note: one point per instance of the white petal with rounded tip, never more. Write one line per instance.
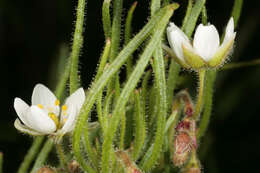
(176, 38)
(19, 126)
(42, 95)
(76, 99)
(40, 121)
(70, 123)
(206, 41)
(21, 109)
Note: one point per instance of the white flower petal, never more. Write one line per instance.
(73, 105)
(42, 95)
(70, 122)
(206, 41)
(21, 109)
(229, 34)
(176, 38)
(76, 99)
(40, 121)
(19, 126)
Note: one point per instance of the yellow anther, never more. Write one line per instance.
(64, 120)
(64, 107)
(57, 103)
(40, 106)
(54, 118)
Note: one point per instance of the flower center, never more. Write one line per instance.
(59, 122)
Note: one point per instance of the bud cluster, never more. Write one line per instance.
(184, 141)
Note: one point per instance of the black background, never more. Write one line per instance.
(31, 33)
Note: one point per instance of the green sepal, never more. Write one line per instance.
(172, 55)
(192, 59)
(22, 128)
(221, 55)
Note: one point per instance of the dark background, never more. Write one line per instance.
(31, 33)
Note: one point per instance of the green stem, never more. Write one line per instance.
(158, 66)
(140, 127)
(155, 5)
(106, 18)
(76, 46)
(194, 14)
(32, 152)
(208, 99)
(92, 157)
(1, 162)
(106, 76)
(128, 23)
(231, 66)
(128, 33)
(199, 103)
(63, 81)
(116, 28)
(172, 79)
(122, 132)
(150, 159)
(236, 11)
(61, 155)
(115, 44)
(103, 62)
(188, 11)
(103, 59)
(63, 71)
(128, 88)
(42, 155)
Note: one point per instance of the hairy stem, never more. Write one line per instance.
(199, 103)
(32, 152)
(76, 46)
(42, 155)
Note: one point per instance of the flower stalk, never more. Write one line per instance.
(199, 103)
(61, 155)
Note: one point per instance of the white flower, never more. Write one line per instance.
(206, 49)
(44, 115)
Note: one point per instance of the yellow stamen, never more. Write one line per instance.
(57, 103)
(54, 118)
(64, 120)
(64, 107)
(40, 106)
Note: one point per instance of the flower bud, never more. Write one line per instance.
(128, 164)
(184, 141)
(182, 148)
(46, 169)
(74, 167)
